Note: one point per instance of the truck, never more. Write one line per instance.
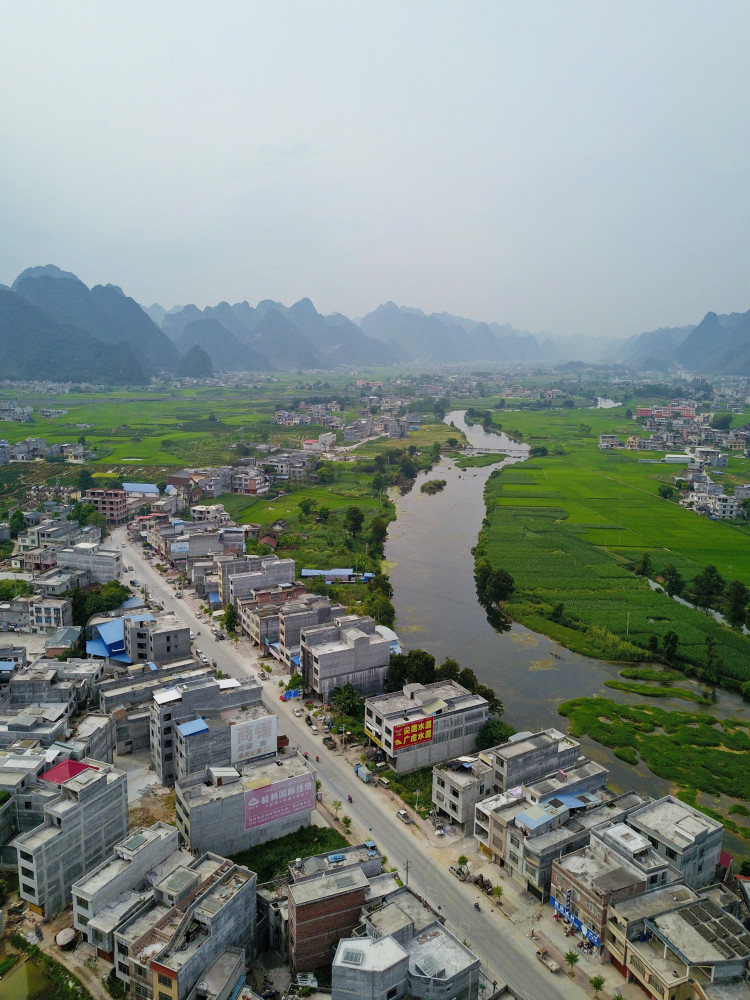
(282, 742)
(363, 773)
(546, 959)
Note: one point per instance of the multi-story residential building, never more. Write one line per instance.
(101, 564)
(112, 503)
(347, 651)
(111, 892)
(51, 613)
(525, 837)
(263, 571)
(211, 513)
(322, 911)
(457, 786)
(199, 913)
(85, 813)
(309, 610)
(425, 723)
(527, 757)
(237, 809)
(238, 737)
(416, 956)
(161, 640)
(202, 697)
(674, 942)
(689, 839)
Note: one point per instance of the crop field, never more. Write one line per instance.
(569, 527)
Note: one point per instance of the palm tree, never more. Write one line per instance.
(571, 960)
(347, 700)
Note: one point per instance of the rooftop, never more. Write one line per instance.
(425, 699)
(327, 886)
(518, 747)
(369, 955)
(702, 933)
(64, 771)
(675, 822)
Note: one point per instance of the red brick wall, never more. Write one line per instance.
(315, 927)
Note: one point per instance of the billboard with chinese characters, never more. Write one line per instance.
(254, 738)
(278, 800)
(412, 733)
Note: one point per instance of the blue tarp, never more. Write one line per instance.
(194, 726)
(213, 597)
(7, 666)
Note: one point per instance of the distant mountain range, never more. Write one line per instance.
(53, 326)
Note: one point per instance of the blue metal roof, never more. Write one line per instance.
(194, 726)
(112, 632)
(152, 666)
(7, 666)
(95, 647)
(140, 488)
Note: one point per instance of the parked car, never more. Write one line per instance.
(192, 634)
(297, 712)
(403, 815)
(314, 730)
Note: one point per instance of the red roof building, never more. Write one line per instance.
(65, 770)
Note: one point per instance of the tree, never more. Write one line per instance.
(448, 670)
(378, 531)
(437, 451)
(493, 585)
(707, 586)
(230, 618)
(325, 473)
(653, 643)
(346, 822)
(296, 681)
(584, 430)
(84, 480)
(721, 421)
(17, 524)
(323, 514)
(462, 860)
(665, 492)
(348, 700)
(492, 733)
(713, 664)
(497, 893)
(673, 582)
(643, 566)
(336, 805)
(737, 596)
(306, 505)
(353, 519)
(597, 984)
(571, 960)
(669, 645)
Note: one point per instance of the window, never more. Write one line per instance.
(82, 904)
(164, 996)
(140, 991)
(83, 921)
(27, 872)
(121, 948)
(28, 889)
(26, 856)
(165, 981)
(98, 937)
(392, 993)
(122, 967)
(138, 970)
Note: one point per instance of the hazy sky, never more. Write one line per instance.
(561, 165)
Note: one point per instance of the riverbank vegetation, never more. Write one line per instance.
(580, 533)
(699, 753)
(433, 486)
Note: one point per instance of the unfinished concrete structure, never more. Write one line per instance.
(238, 737)
(235, 809)
(198, 913)
(84, 814)
(346, 651)
(206, 697)
(161, 640)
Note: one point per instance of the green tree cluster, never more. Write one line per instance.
(96, 600)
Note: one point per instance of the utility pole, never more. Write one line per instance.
(407, 871)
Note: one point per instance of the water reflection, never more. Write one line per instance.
(432, 571)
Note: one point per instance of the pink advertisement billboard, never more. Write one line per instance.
(281, 799)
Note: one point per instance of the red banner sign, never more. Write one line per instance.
(411, 733)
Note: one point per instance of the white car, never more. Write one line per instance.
(192, 634)
(297, 712)
(314, 730)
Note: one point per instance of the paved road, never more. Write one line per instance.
(503, 946)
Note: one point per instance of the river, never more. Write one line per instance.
(432, 572)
